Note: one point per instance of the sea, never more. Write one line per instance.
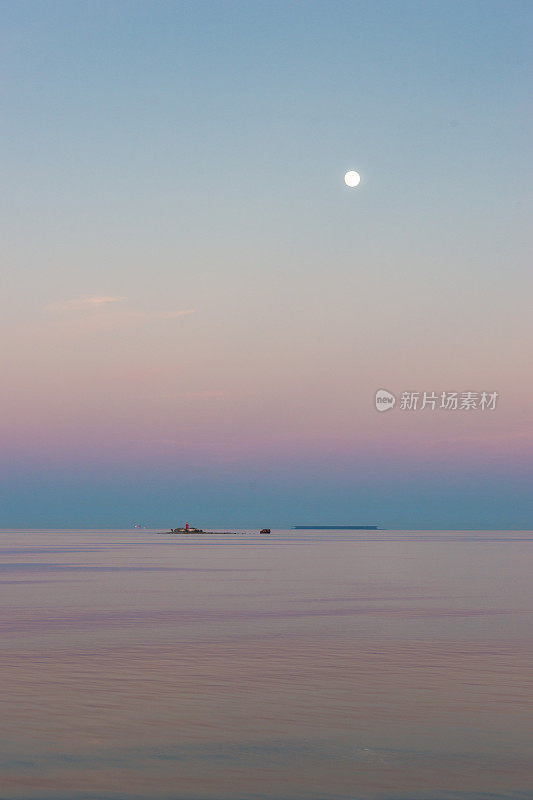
(300, 665)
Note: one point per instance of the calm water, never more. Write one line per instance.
(325, 666)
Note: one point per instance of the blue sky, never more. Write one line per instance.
(193, 296)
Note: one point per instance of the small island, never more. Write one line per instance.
(188, 530)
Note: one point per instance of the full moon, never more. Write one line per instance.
(352, 179)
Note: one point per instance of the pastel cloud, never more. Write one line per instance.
(86, 302)
(110, 311)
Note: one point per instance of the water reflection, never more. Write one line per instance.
(349, 667)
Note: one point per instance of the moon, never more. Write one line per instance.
(352, 179)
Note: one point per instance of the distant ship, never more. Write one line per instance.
(335, 528)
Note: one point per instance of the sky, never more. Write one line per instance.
(197, 312)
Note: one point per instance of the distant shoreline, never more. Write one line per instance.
(203, 533)
(335, 528)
